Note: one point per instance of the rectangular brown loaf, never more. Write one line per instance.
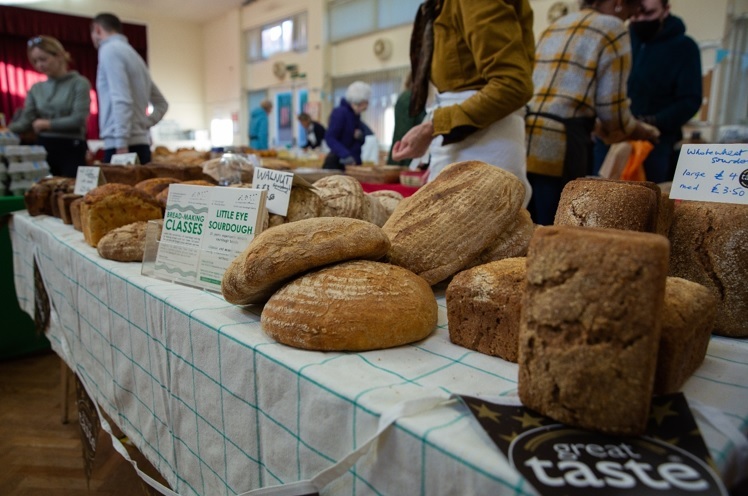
(63, 204)
(591, 324)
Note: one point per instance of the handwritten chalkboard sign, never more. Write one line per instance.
(714, 173)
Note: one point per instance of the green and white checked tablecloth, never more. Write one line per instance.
(219, 408)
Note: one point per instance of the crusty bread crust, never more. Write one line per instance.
(445, 225)
(283, 252)
(125, 243)
(352, 306)
(591, 324)
(483, 307)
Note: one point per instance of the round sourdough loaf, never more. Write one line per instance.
(511, 243)
(285, 251)
(342, 196)
(445, 225)
(125, 243)
(353, 306)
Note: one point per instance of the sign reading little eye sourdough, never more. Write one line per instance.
(558, 460)
(715, 173)
(204, 230)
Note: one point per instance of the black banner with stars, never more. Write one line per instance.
(671, 458)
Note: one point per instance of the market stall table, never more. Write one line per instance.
(220, 408)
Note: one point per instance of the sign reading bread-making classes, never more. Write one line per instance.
(204, 229)
(715, 173)
(278, 185)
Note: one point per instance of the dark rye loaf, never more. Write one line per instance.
(590, 326)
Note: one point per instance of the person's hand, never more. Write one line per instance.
(348, 160)
(644, 131)
(40, 125)
(415, 143)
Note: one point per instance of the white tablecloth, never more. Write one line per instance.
(220, 408)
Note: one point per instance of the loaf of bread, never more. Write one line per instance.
(63, 188)
(687, 322)
(113, 205)
(710, 247)
(377, 212)
(38, 198)
(483, 307)
(388, 198)
(63, 205)
(285, 251)
(125, 243)
(609, 203)
(75, 213)
(155, 185)
(445, 225)
(351, 306)
(665, 214)
(513, 242)
(591, 326)
(125, 174)
(342, 196)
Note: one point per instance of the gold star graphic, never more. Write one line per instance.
(659, 412)
(509, 438)
(528, 420)
(485, 412)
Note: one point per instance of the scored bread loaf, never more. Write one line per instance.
(483, 307)
(445, 225)
(113, 205)
(687, 322)
(125, 243)
(513, 242)
(710, 247)
(351, 306)
(608, 203)
(287, 250)
(342, 196)
(388, 198)
(591, 326)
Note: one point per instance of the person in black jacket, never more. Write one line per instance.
(665, 83)
(315, 132)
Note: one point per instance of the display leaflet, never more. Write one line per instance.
(204, 229)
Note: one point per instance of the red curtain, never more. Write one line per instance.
(17, 75)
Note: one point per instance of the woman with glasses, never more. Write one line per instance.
(56, 109)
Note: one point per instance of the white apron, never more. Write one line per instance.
(501, 144)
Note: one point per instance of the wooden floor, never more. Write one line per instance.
(39, 455)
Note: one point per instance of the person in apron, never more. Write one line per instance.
(482, 53)
(581, 66)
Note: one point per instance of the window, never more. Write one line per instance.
(286, 35)
(349, 18)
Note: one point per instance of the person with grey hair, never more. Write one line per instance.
(345, 130)
(125, 89)
(259, 127)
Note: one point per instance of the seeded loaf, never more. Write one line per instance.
(687, 322)
(351, 306)
(710, 247)
(125, 243)
(609, 203)
(288, 250)
(591, 325)
(113, 205)
(445, 225)
(483, 307)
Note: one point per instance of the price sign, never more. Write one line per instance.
(86, 179)
(125, 159)
(278, 185)
(715, 173)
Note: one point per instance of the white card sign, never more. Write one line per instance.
(86, 179)
(714, 173)
(124, 159)
(205, 228)
(278, 185)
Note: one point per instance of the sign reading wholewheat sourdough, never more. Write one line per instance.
(205, 229)
(670, 458)
(714, 173)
